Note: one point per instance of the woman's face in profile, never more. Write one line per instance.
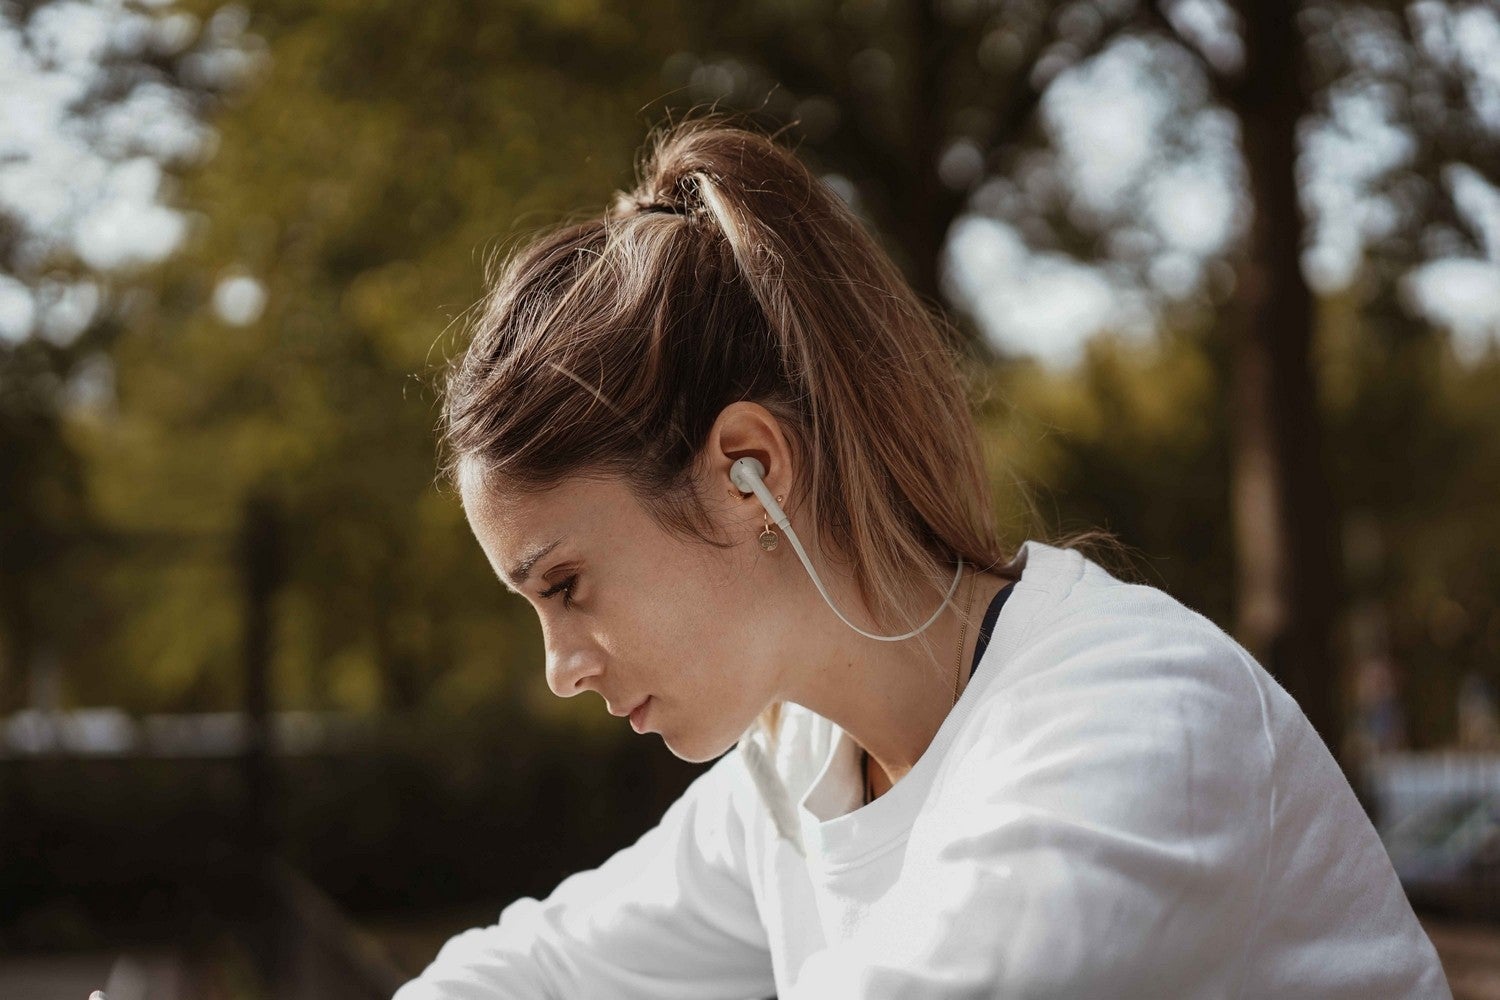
(630, 611)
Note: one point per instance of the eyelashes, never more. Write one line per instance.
(564, 587)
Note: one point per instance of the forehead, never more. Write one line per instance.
(515, 526)
(502, 504)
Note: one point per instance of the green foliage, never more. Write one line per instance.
(1414, 449)
(1132, 440)
(42, 507)
(362, 183)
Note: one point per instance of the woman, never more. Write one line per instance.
(952, 771)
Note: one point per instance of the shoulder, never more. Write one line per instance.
(1113, 784)
(1073, 624)
(1123, 704)
(1120, 648)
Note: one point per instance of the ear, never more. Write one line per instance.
(746, 429)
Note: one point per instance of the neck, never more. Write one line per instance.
(891, 697)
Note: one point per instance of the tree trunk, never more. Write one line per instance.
(1286, 537)
(924, 207)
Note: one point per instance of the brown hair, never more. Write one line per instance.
(731, 272)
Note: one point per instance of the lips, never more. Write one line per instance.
(638, 715)
(625, 712)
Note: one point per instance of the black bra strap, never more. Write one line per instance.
(987, 627)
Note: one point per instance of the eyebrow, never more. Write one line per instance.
(522, 570)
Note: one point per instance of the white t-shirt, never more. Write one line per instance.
(1122, 804)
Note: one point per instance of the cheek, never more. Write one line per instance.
(674, 610)
(685, 612)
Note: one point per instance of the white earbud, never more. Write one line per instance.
(748, 474)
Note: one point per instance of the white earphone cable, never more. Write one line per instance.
(746, 474)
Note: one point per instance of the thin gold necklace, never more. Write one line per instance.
(963, 627)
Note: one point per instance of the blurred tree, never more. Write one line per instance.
(910, 105)
(41, 501)
(1415, 433)
(1288, 559)
(1131, 440)
(98, 99)
(350, 197)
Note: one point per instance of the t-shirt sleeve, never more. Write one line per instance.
(670, 916)
(1103, 832)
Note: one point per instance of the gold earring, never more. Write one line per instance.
(769, 537)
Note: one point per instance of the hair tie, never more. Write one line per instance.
(662, 206)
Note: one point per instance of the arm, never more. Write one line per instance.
(670, 916)
(1103, 833)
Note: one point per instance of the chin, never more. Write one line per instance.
(699, 748)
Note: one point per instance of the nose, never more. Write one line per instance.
(569, 666)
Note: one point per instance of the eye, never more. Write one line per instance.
(564, 587)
